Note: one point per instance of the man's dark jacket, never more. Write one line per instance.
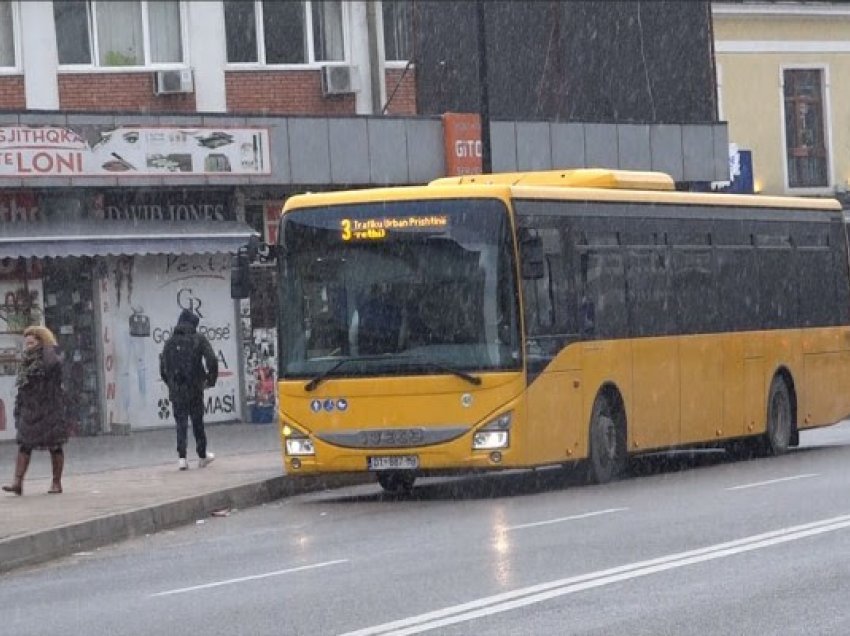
(186, 341)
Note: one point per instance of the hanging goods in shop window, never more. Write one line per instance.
(140, 324)
(20, 309)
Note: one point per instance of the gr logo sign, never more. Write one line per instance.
(186, 299)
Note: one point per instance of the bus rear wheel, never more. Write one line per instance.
(606, 459)
(780, 421)
(396, 483)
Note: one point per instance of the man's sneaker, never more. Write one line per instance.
(206, 461)
(182, 464)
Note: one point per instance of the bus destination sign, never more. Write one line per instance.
(377, 229)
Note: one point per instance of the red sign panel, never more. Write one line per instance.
(463, 148)
(272, 218)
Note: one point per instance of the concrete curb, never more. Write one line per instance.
(52, 543)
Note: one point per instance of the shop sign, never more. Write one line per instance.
(168, 211)
(20, 270)
(462, 142)
(107, 336)
(271, 215)
(200, 208)
(103, 151)
(19, 207)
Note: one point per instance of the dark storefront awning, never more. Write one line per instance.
(86, 238)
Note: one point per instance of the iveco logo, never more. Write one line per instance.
(391, 437)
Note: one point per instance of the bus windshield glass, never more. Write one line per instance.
(398, 288)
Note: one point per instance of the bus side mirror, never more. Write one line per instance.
(253, 247)
(240, 275)
(531, 258)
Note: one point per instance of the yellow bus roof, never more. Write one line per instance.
(675, 198)
(579, 178)
(587, 184)
(397, 193)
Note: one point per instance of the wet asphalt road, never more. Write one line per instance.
(690, 544)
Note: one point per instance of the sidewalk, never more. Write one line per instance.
(118, 487)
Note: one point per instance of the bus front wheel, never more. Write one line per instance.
(396, 483)
(607, 455)
(780, 422)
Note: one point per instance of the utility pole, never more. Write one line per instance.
(483, 90)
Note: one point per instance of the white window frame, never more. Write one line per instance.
(718, 67)
(389, 64)
(147, 65)
(829, 188)
(311, 63)
(18, 68)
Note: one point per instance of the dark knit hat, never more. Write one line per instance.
(187, 317)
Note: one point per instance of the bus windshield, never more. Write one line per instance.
(402, 287)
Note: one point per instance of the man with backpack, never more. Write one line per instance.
(188, 365)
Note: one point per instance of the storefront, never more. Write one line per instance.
(107, 232)
(108, 272)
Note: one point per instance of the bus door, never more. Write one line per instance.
(824, 349)
(822, 268)
(654, 421)
(701, 351)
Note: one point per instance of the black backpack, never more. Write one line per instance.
(180, 354)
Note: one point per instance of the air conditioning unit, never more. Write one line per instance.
(176, 81)
(338, 80)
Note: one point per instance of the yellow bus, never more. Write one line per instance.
(545, 318)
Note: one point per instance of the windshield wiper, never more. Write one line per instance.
(472, 379)
(321, 377)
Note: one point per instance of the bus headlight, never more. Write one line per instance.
(297, 443)
(494, 434)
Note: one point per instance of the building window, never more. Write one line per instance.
(805, 129)
(7, 35)
(114, 33)
(273, 32)
(398, 30)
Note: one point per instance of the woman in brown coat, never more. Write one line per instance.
(40, 407)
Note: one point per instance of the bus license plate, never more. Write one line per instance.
(394, 462)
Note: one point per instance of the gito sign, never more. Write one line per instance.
(462, 139)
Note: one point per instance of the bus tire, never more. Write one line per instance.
(606, 457)
(780, 420)
(396, 482)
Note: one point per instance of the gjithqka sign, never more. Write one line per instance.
(90, 151)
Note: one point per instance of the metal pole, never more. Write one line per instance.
(376, 66)
(483, 90)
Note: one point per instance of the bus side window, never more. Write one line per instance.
(838, 246)
(695, 290)
(737, 278)
(602, 294)
(777, 278)
(651, 309)
(547, 299)
(537, 289)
